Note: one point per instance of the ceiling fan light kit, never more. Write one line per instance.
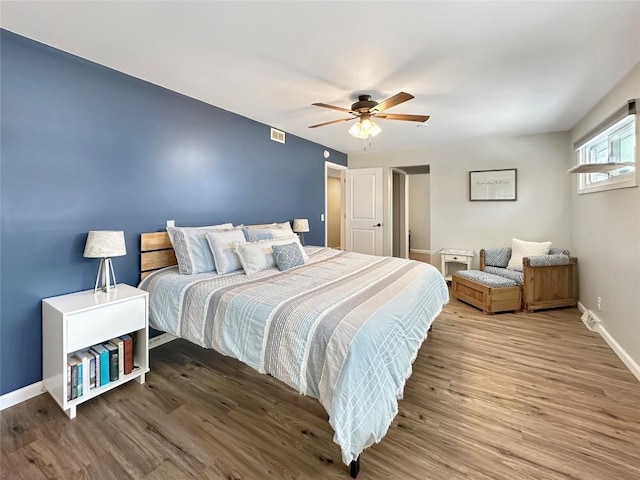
(365, 108)
(365, 129)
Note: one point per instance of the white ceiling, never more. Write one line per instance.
(478, 68)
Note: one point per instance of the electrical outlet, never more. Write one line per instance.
(599, 304)
(171, 223)
(322, 217)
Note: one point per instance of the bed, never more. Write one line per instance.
(344, 327)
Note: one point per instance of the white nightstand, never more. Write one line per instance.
(80, 320)
(454, 260)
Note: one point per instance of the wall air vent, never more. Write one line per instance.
(590, 320)
(277, 135)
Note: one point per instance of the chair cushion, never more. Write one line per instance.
(487, 279)
(506, 273)
(548, 260)
(559, 251)
(497, 257)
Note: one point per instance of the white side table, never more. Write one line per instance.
(453, 260)
(80, 320)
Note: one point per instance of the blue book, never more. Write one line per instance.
(104, 363)
(113, 361)
(79, 386)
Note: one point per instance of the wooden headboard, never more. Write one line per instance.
(156, 251)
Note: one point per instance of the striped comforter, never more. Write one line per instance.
(344, 328)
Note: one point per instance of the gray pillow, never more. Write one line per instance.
(257, 234)
(288, 256)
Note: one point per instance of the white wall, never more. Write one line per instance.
(540, 213)
(605, 230)
(419, 211)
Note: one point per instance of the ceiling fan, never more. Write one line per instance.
(366, 109)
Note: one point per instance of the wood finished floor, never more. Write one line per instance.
(507, 397)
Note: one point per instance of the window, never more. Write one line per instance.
(607, 155)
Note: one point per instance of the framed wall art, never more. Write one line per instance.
(493, 185)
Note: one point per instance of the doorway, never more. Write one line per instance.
(410, 212)
(334, 195)
(399, 213)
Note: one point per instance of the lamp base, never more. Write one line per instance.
(301, 235)
(105, 274)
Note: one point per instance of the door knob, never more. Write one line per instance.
(378, 225)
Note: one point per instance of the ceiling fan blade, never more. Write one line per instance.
(397, 99)
(332, 107)
(332, 122)
(403, 116)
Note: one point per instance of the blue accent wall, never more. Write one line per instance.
(84, 147)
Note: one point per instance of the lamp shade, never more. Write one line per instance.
(300, 225)
(105, 244)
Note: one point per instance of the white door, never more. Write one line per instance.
(364, 211)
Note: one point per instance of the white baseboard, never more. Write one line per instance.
(21, 395)
(621, 352)
(629, 362)
(423, 252)
(160, 340)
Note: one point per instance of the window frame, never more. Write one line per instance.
(610, 133)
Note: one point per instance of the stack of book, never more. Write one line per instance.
(98, 365)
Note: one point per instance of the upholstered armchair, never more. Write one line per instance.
(548, 281)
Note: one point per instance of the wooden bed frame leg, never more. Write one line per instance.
(354, 468)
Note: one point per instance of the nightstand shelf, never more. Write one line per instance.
(77, 321)
(135, 374)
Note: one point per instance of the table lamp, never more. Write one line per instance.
(301, 225)
(104, 244)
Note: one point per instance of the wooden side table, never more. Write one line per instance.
(452, 260)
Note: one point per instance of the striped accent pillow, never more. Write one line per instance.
(191, 247)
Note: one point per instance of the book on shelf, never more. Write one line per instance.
(104, 363)
(113, 361)
(85, 358)
(128, 353)
(75, 365)
(79, 379)
(118, 342)
(92, 371)
(69, 381)
(96, 364)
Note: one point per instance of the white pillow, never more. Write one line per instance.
(191, 247)
(258, 256)
(222, 247)
(283, 228)
(281, 232)
(522, 248)
(286, 226)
